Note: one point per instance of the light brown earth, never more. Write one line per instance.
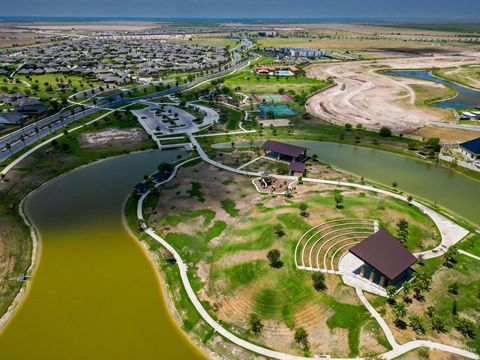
(364, 96)
(447, 135)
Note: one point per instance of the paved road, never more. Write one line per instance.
(14, 139)
(454, 126)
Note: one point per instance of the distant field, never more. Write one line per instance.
(210, 41)
(468, 75)
(344, 43)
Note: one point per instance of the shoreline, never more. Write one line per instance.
(19, 298)
(162, 285)
(34, 260)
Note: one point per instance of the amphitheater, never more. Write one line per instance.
(322, 247)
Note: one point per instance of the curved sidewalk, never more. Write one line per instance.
(397, 349)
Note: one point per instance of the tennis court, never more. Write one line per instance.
(276, 110)
(272, 98)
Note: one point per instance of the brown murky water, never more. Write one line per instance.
(95, 294)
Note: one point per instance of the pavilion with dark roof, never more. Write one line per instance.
(384, 257)
(471, 148)
(283, 151)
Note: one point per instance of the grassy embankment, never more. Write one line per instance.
(233, 249)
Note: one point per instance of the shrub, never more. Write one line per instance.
(319, 281)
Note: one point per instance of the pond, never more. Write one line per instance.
(465, 98)
(95, 293)
(448, 188)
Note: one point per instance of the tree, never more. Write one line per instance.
(274, 257)
(430, 311)
(416, 323)
(400, 311)
(394, 185)
(303, 209)
(165, 168)
(385, 131)
(301, 337)
(338, 201)
(454, 307)
(407, 290)
(402, 231)
(391, 291)
(278, 228)
(449, 256)
(423, 353)
(255, 324)
(466, 327)
(453, 288)
(438, 324)
(319, 281)
(433, 144)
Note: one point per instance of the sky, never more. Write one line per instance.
(245, 8)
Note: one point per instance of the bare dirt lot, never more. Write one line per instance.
(364, 96)
(110, 137)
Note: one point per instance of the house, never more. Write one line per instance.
(269, 34)
(471, 149)
(385, 259)
(29, 106)
(282, 151)
(296, 167)
(11, 117)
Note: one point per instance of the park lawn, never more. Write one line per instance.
(233, 248)
(471, 245)
(251, 84)
(76, 83)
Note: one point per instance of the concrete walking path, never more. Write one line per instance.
(469, 254)
(386, 330)
(397, 349)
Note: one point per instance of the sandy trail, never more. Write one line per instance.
(363, 96)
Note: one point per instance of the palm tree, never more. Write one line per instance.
(407, 290)
(37, 131)
(400, 311)
(8, 146)
(22, 139)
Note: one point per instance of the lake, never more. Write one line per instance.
(465, 98)
(448, 188)
(95, 292)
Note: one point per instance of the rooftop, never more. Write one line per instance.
(473, 146)
(384, 253)
(282, 148)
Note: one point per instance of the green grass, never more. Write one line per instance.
(229, 206)
(151, 89)
(196, 192)
(215, 230)
(244, 273)
(52, 90)
(350, 317)
(268, 303)
(471, 245)
(173, 220)
(250, 84)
